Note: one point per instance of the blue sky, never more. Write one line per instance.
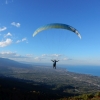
(20, 18)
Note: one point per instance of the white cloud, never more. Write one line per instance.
(37, 58)
(3, 28)
(18, 41)
(8, 34)
(48, 57)
(42, 59)
(62, 58)
(15, 24)
(5, 43)
(8, 54)
(51, 55)
(66, 59)
(45, 55)
(24, 39)
(29, 55)
(56, 55)
(16, 56)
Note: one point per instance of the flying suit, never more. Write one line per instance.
(54, 63)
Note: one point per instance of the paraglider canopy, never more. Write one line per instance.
(57, 26)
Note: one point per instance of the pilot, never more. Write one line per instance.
(54, 63)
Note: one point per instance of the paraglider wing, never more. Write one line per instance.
(57, 26)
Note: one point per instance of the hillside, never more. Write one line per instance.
(4, 62)
(58, 83)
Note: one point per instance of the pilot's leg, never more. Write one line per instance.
(53, 66)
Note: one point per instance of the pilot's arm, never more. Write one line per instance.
(52, 60)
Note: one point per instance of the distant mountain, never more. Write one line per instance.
(4, 62)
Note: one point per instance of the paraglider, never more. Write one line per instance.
(57, 26)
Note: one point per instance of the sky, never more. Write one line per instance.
(20, 18)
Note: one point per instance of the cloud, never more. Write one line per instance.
(22, 40)
(30, 58)
(17, 57)
(62, 58)
(8, 34)
(8, 54)
(65, 59)
(52, 56)
(5, 43)
(3, 28)
(15, 24)
(18, 41)
(45, 55)
(37, 58)
(29, 55)
(56, 55)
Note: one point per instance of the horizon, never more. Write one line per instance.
(78, 69)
